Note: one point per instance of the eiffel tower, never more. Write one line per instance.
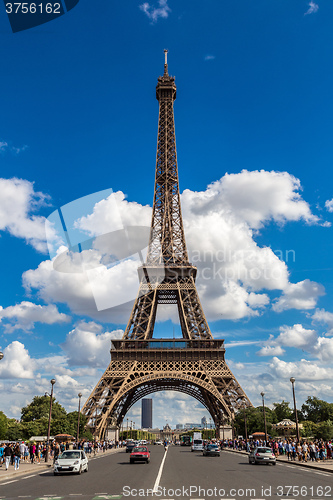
(141, 365)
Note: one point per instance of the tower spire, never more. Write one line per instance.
(166, 62)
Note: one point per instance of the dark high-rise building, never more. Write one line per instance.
(147, 414)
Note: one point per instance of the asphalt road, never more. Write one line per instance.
(178, 473)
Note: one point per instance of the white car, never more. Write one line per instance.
(71, 461)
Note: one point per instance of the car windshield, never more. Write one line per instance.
(264, 450)
(140, 448)
(212, 446)
(70, 454)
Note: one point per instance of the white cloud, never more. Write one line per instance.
(209, 57)
(325, 317)
(258, 197)
(329, 205)
(18, 201)
(23, 316)
(154, 13)
(323, 349)
(302, 370)
(114, 213)
(296, 336)
(271, 351)
(301, 295)
(87, 345)
(5, 146)
(313, 8)
(16, 363)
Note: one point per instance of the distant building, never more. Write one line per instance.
(204, 422)
(147, 413)
(179, 426)
(193, 426)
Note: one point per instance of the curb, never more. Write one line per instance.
(12, 474)
(281, 461)
(39, 468)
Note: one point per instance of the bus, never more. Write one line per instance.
(185, 440)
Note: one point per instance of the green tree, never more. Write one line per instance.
(3, 425)
(254, 420)
(72, 418)
(308, 428)
(324, 430)
(282, 411)
(14, 430)
(40, 407)
(35, 428)
(316, 410)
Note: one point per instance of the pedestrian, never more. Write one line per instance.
(8, 452)
(17, 456)
(56, 452)
(32, 449)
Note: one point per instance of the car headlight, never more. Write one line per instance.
(76, 462)
(56, 462)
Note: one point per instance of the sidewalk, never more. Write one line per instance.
(325, 466)
(27, 468)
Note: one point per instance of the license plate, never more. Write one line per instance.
(64, 467)
(266, 458)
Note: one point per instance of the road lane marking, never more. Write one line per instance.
(323, 474)
(157, 482)
(27, 477)
(9, 482)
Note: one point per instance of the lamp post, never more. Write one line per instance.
(49, 426)
(78, 420)
(1, 355)
(244, 410)
(127, 429)
(292, 380)
(262, 394)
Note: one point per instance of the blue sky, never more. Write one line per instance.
(253, 122)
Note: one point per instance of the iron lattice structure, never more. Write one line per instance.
(139, 364)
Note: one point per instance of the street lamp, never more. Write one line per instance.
(1, 355)
(49, 426)
(244, 409)
(262, 394)
(292, 380)
(78, 420)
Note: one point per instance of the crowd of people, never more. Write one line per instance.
(34, 452)
(304, 450)
(11, 454)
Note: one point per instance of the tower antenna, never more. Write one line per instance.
(166, 61)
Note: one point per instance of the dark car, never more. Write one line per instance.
(211, 450)
(129, 446)
(262, 455)
(140, 454)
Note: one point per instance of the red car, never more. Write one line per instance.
(140, 453)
